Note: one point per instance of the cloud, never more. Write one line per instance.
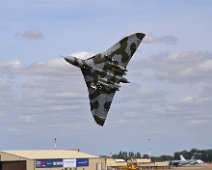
(194, 100)
(198, 122)
(179, 88)
(82, 54)
(167, 39)
(10, 68)
(127, 122)
(54, 91)
(54, 67)
(12, 130)
(4, 84)
(182, 66)
(42, 90)
(26, 118)
(32, 35)
(131, 114)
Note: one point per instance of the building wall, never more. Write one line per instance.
(9, 157)
(94, 163)
(30, 164)
(115, 162)
(139, 160)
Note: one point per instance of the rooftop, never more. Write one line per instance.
(49, 154)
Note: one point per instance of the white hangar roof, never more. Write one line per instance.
(48, 154)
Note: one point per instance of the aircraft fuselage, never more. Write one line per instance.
(108, 82)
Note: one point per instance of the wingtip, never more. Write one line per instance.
(140, 35)
(99, 121)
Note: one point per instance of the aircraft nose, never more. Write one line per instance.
(70, 60)
(74, 61)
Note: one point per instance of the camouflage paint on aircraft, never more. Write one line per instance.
(104, 72)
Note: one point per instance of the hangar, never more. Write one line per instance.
(50, 159)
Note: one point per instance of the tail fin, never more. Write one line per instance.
(182, 158)
(193, 156)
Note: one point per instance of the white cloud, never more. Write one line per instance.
(82, 54)
(184, 66)
(12, 130)
(159, 131)
(42, 87)
(181, 86)
(187, 99)
(131, 114)
(4, 84)
(26, 118)
(32, 34)
(206, 66)
(194, 100)
(54, 67)
(10, 68)
(167, 109)
(55, 92)
(127, 122)
(198, 122)
(167, 39)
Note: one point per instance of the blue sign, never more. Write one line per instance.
(59, 163)
(82, 162)
(49, 163)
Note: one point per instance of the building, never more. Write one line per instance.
(139, 160)
(115, 163)
(50, 159)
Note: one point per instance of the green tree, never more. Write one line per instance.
(145, 156)
(138, 155)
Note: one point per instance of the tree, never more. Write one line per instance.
(205, 155)
(138, 155)
(145, 156)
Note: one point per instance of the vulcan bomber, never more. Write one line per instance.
(104, 72)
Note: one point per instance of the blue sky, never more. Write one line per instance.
(169, 97)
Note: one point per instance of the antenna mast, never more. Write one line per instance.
(55, 143)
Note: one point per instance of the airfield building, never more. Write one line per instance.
(115, 163)
(50, 159)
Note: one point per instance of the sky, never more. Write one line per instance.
(165, 108)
